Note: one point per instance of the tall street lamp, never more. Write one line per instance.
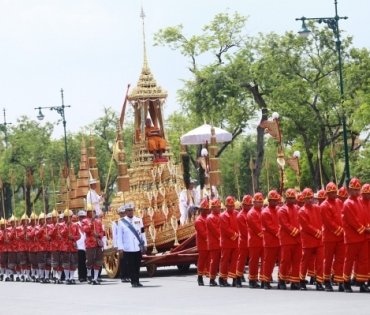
(333, 24)
(60, 110)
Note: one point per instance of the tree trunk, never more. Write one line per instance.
(257, 96)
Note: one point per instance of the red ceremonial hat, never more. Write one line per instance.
(307, 193)
(247, 200)
(279, 198)
(300, 197)
(273, 194)
(215, 203)
(258, 197)
(321, 194)
(290, 193)
(230, 201)
(331, 187)
(204, 204)
(365, 189)
(355, 183)
(343, 192)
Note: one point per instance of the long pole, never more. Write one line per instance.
(65, 130)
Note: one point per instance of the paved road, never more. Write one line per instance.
(171, 292)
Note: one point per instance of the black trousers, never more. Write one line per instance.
(82, 271)
(123, 267)
(133, 263)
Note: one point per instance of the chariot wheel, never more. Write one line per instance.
(151, 269)
(111, 263)
(183, 268)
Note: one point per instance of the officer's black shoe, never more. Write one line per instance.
(354, 281)
(238, 282)
(281, 285)
(89, 279)
(7, 279)
(54, 280)
(328, 287)
(17, 279)
(125, 280)
(37, 280)
(134, 285)
(319, 287)
(364, 288)
(28, 279)
(213, 283)
(253, 284)
(22, 278)
(302, 285)
(234, 283)
(262, 284)
(347, 287)
(312, 280)
(96, 282)
(139, 284)
(1, 277)
(68, 282)
(340, 287)
(268, 286)
(294, 286)
(42, 280)
(243, 279)
(200, 281)
(100, 280)
(223, 283)
(47, 280)
(59, 281)
(73, 281)
(11, 277)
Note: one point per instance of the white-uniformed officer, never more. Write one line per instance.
(123, 260)
(128, 243)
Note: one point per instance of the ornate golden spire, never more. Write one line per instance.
(147, 87)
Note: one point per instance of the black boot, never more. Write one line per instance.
(312, 280)
(200, 281)
(282, 285)
(328, 287)
(364, 288)
(223, 283)
(295, 286)
(234, 283)
(253, 284)
(243, 279)
(262, 284)
(213, 283)
(238, 282)
(267, 286)
(302, 285)
(319, 287)
(340, 287)
(347, 287)
(353, 281)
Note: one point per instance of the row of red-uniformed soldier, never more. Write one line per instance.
(39, 244)
(331, 238)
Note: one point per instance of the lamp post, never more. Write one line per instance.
(333, 24)
(60, 110)
(5, 130)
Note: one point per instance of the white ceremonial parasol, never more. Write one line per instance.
(203, 133)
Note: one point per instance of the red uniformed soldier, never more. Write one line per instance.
(355, 229)
(247, 204)
(334, 251)
(300, 200)
(290, 241)
(271, 245)
(3, 249)
(342, 194)
(255, 240)
(33, 246)
(355, 224)
(229, 243)
(200, 225)
(310, 222)
(213, 236)
(366, 202)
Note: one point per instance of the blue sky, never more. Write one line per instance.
(93, 49)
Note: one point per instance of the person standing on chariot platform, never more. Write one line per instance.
(123, 259)
(93, 197)
(189, 198)
(82, 271)
(131, 242)
(200, 225)
(94, 244)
